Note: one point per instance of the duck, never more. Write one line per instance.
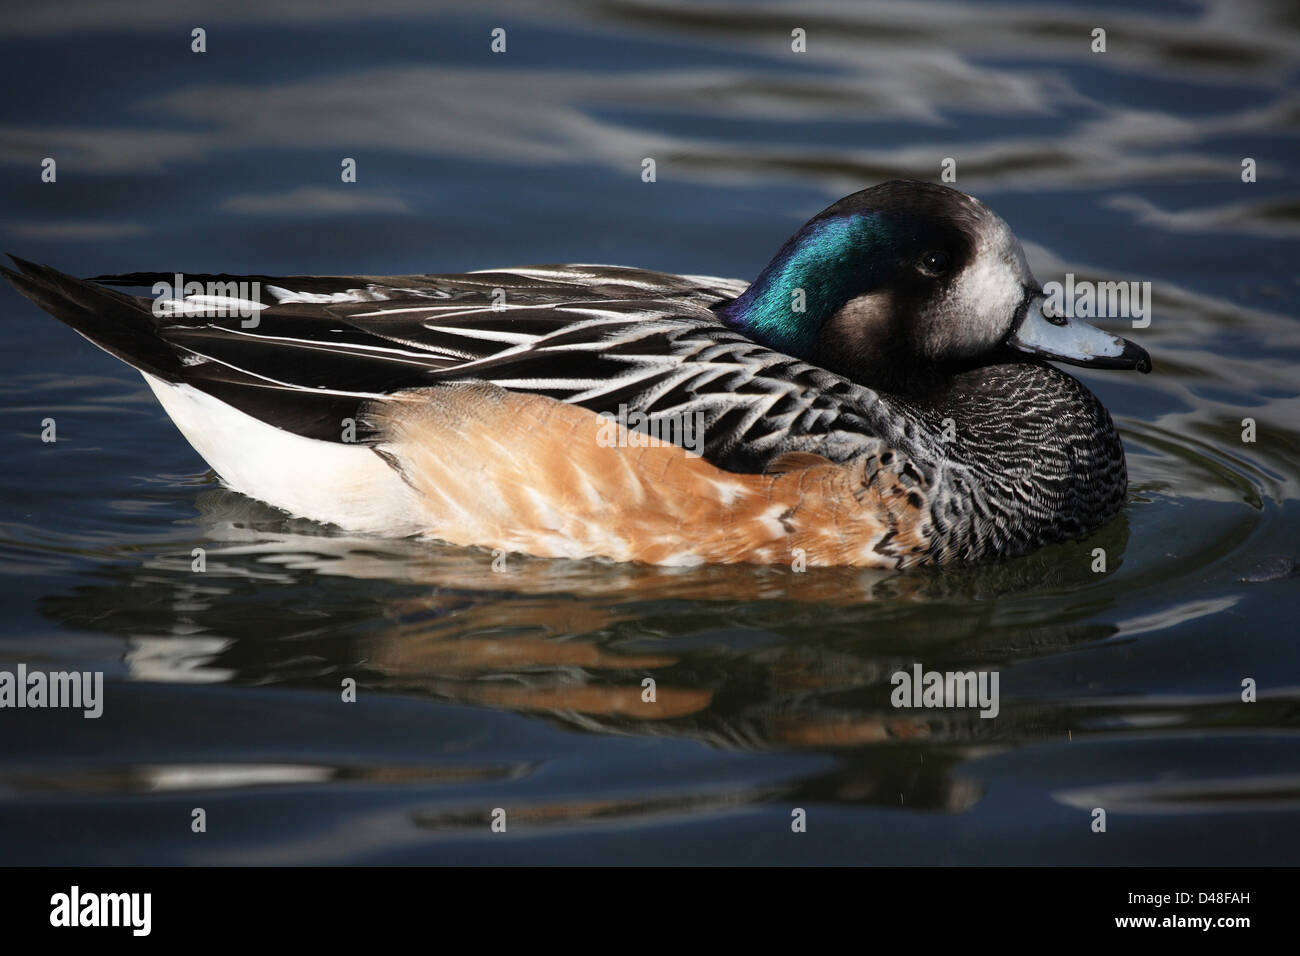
(882, 395)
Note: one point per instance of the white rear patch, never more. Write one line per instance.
(346, 485)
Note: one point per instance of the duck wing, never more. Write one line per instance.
(318, 350)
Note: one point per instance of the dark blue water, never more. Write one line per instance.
(1120, 690)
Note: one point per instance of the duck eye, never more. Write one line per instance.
(934, 263)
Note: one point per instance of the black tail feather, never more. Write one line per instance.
(119, 324)
(125, 327)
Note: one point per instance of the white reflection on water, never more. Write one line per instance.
(224, 776)
(1254, 794)
(179, 659)
(1172, 616)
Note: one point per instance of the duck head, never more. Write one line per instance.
(907, 282)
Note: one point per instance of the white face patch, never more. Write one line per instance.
(984, 297)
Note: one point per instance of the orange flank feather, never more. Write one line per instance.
(526, 473)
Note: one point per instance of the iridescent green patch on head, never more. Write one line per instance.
(826, 263)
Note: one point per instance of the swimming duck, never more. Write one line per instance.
(879, 396)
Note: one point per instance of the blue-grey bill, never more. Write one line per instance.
(1071, 340)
